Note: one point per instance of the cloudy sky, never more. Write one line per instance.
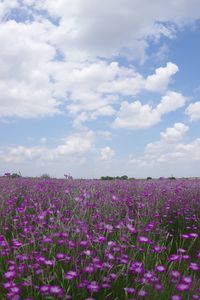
(100, 87)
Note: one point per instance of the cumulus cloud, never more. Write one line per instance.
(171, 146)
(137, 116)
(193, 111)
(106, 153)
(25, 87)
(169, 155)
(93, 28)
(160, 80)
(174, 134)
(75, 145)
(57, 60)
(7, 6)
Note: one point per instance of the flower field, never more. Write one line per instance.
(92, 239)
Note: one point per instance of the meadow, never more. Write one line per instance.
(93, 239)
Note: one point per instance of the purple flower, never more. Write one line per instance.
(60, 256)
(49, 263)
(93, 287)
(12, 296)
(10, 275)
(44, 289)
(158, 286)
(181, 287)
(175, 274)
(187, 279)
(129, 290)
(56, 290)
(194, 266)
(143, 239)
(174, 257)
(15, 290)
(131, 228)
(89, 269)
(195, 297)
(71, 275)
(160, 268)
(142, 293)
(176, 297)
(106, 285)
(193, 235)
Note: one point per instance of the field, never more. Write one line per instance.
(92, 239)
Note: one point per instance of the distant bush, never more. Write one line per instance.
(172, 177)
(107, 178)
(15, 175)
(148, 178)
(45, 176)
(124, 177)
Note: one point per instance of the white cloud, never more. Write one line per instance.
(174, 134)
(7, 6)
(137, 116)
(170, 146)
(193, 111)
(170, 102)
(76, 145)
(108, 28)
(160, 80)
(25, 87)
(107, 153)
(35, 83)
(169, 156)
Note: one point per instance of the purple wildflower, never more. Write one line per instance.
(129, 290)
(194, 266)
(143, 239)
(160, 268)
(182, 287)
(93, 287)
(10, 275)
(71, 275)
(176, 297)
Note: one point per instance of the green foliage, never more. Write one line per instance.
(172, 178)
(107, 178)
(15, 175)
(149, 178)
(124, 177)
(45, 176)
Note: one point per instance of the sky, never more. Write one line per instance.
(100, 87)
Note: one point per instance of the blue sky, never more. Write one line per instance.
(100, 88)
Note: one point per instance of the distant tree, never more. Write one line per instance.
(172, 178)
(148, 178)
(124, 177)
(107, 178)
(45, 176)
(15, 175)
